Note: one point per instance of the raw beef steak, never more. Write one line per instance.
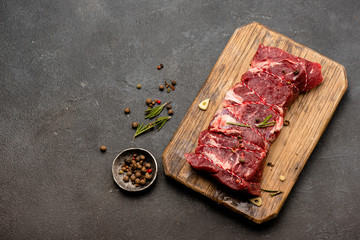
(234, 146)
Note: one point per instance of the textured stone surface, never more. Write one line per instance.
(68, 68)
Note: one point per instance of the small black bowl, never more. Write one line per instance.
(120, 159)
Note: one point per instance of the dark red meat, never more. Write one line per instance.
(233, 154)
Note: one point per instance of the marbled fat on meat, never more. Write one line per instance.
(235, 155)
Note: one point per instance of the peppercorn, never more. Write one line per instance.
(148, 101)
(153, 102)
(286, 123)
(132, 177)
(137, 180)
(127, 110)
(151, 105)
(160, 67)
(168, 90)
(149, 170)
(134, 125)
(137, 158)
(126, 178)
(138, 86)
(138, 174)
(142, 181)
(129, 173)
(139, 166)
(168, 106)
(161, 87)
(172, 87)
(173, 82)
(143, 169)
(142, 157)
(147, 176)
(158, 102)
(103, 148)
(148, 165)
(121, 171)
(170, 112)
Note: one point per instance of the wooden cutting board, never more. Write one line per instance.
(308, 116)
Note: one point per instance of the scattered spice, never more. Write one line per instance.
(282, 178)
(204, 104)
(148, 101)
(166, 84)
(168, 90)
(296, 72)
(160, 66)
(161, 87)
(170, 112)
(283, 71)
(173, 82)
(134, 125)
(103, 148)
(138, 86)
(127, 110)
(168, 106)
(270, 164)
(158, 102)
(172, 87)
(286, 123)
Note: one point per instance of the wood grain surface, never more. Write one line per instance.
(308, 116)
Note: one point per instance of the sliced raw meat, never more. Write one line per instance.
(227, 178)
(234, 147)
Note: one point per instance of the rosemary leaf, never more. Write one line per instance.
(266, 119)
(270, 191)
(238, 124)
(273, 192)
(153, 112)
(277, 193)
(265, 123)
(160, 122)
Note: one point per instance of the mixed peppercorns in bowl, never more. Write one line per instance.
(134, 169)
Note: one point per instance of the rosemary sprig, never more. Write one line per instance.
(238, 124)
(159, 123)
(142, 129)
(153, 112)
(265, 123)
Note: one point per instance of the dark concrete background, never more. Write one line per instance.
(68, 68)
